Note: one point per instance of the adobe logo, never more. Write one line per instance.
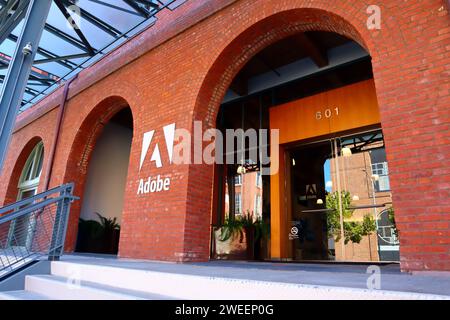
(169, 136)
(156, 184)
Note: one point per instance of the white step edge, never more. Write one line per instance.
(194, 287)
(22, 295)
(60, 288)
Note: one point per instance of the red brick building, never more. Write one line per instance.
(197, 51)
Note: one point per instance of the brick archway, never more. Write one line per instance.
(81, 152)
(228, 63)
(259, 36)
(401, 87)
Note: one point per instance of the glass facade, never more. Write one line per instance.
(339, 199)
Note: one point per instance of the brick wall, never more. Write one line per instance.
(179, 70)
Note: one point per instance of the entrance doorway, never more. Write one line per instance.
(339, 192)
(102, 201)
(328, 196)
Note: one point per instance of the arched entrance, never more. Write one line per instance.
(99, 163)
(260, 84)
(102, 202)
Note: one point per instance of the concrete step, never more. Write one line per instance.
(193, 287)
(22, 295)
(61, 288)
(74, 280)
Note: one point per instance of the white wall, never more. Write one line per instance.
(107, 173)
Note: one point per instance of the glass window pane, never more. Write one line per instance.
(39, 158)
(238, 203)
(33, 165)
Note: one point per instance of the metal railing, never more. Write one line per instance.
(34, 228)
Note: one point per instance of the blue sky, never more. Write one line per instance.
(327, 172)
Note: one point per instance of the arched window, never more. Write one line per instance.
(21, 230)
(29, 179)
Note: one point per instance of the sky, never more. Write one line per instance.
(327, 172)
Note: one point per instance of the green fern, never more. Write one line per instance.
(108, 223)
(234, 228)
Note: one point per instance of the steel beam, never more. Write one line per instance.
(116, 7)
(19, 70)
(138, 8)
(72, 56)
(48, 54)
(75, 27)
(148, 3)
(8, 22)
(95, 21)
(66, 37)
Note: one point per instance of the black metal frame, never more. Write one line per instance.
(12, 13)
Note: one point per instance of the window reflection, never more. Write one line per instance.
(248, 192)
(339, 189)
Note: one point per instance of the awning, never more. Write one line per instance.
(77, 34)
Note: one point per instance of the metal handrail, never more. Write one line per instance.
(26, 201)
(31, 208)
(34, 228)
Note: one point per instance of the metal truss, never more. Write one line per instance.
(43, 79)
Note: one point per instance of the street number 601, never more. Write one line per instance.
(327, 113)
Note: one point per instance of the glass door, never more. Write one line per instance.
(341, 205)
(307, 178)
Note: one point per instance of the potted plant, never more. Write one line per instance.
(90, 233)
(254, 230)
(111, 234)
(98, 236)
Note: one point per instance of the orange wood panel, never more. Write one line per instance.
(317, 115)
(342, 109)
(277, 204)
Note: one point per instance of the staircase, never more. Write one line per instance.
(33, 228)
(73, 281)
(70, 280)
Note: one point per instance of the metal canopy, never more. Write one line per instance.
(77, 33)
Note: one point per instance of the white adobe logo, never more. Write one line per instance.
(169, 136)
